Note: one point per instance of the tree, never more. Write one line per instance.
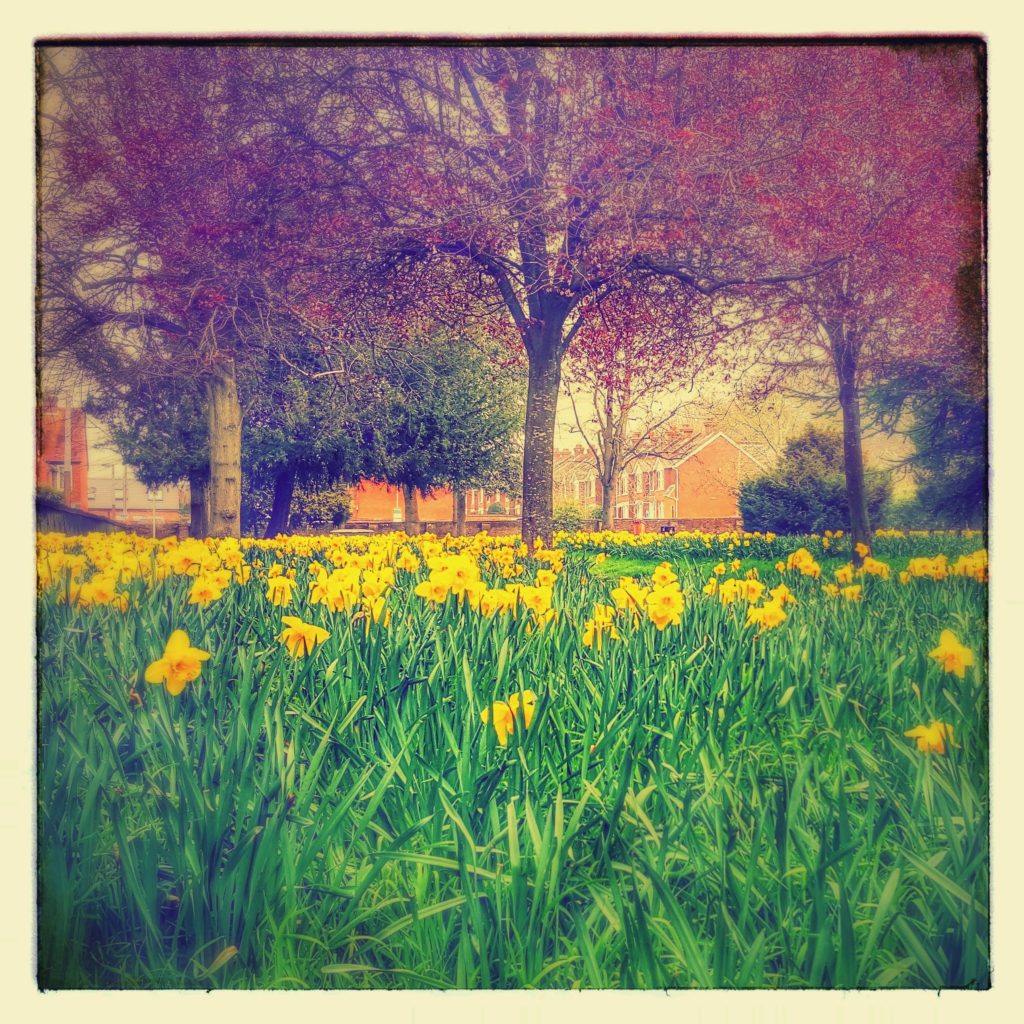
(889, 186)
(807, 492)
(226, 189)
(440, 417)
(162, 437)
(540, 180)
(627, 379)
(302, 427)
(317, 508)
(940, 406)
(166, 225)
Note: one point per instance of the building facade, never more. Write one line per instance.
(123, 498)
(62, 453)
(695, 482)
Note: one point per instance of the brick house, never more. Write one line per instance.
(693, 483)
(691, 479)
(574, 479)
(59, 466)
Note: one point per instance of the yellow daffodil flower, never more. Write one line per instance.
(932, 738)
(952, 655)
(181, 664)
(301, 637)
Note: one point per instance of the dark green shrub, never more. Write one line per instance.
(567, 516)
(807, 493)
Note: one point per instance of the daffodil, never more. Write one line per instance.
(503, 714)
(663, 575)
(932, 738)
(767, 617)
(782, 594)
(181, 664)
(301, 637)
(433, 589)
(664, 605)
(952, 655)
(204, 591)
(279, 591)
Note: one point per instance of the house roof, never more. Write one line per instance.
(573, 464)
(677, 445)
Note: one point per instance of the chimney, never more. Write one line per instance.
(710, 426)
(578, 450)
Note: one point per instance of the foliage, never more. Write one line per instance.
(321, 508)
(940, 406)
(310, 506)
(496, 509)
(50, 493)
(807, 491)
(567, 516)
(441, 416)
(529, 191)
(162, 435)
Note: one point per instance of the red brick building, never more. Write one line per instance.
(694, 484)
(691, 483)
(58, 467)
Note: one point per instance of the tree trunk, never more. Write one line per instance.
(607, 503)
(198, 521)
(539, 444)
(853, 453)
(225, 417)
(284, 488)
(460, 512)
(412, 510)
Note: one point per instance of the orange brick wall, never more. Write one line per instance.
(708, 483)
(375, 503)
(50, 451)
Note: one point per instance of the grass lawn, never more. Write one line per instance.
(475, 777)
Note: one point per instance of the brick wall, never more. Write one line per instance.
(375, 503)
(723, 524)
(708, 483)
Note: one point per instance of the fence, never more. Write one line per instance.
(720, 525)
(496, 526)
(53, 517)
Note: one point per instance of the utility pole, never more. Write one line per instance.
(67, 451)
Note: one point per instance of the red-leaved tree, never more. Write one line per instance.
(888, 188)
(534, 182)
